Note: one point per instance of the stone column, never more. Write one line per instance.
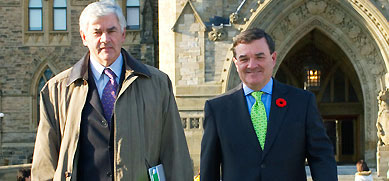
(383, 133)
(167, 16)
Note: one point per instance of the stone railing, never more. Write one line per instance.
(192, 122)
(8, 173)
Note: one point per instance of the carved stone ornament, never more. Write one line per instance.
(330, 12)
(316, 7)
(234, 18)
(217, 34)
(383, 118)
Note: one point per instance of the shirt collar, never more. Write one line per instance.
(97, 68)
(268, 89)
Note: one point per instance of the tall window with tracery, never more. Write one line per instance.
(46, 75)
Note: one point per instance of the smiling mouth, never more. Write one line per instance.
(256, 71)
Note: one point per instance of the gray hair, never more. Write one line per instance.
(99, 9)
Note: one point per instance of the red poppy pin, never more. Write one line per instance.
(281, 102)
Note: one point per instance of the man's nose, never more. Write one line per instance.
(251, 63)
(104, 38)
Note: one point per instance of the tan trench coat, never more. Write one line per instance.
(147, 126)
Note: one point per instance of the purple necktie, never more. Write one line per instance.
(109, 94)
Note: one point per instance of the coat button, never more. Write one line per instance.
(68, 174)
(109, 174)
(263, 165)
(104, 123)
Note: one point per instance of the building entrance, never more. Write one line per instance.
(318, 64)
(343, 133)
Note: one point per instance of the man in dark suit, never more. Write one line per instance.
(263, 129)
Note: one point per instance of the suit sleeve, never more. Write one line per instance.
(47, 143)
(210, 148)
(174, 153)
(320, 153)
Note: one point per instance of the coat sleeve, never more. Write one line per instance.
(174, 153)
(210, 148)
(47, 142)
(320, 153)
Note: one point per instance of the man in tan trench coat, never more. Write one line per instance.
(109, 117)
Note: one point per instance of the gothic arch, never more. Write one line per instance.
(39, 70)
(39, 73)
(359, 31)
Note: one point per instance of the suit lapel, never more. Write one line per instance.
(95, 98)
(276, 117)
(243, 116)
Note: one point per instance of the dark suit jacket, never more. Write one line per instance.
(295, 132)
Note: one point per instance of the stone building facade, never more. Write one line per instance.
(346, 41)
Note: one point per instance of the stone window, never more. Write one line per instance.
(35, 15)
(59, 15)
(133, 15)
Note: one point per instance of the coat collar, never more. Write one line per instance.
(80, 69)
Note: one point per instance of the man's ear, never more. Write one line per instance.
(83, 38)
(235, 62)
(124, 35)
(274, 57)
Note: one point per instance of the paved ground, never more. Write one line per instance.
(346, 173)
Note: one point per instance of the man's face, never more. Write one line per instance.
(104, 39)
(254, 63)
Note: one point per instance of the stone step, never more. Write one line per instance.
(347, 172)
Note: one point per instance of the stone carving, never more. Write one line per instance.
(335, 15)
(234, 18)
(331, 13)
(217, 34)
(360, 5)
(194, 122)
(316, 7)
(366, 47)
(354, 32)
(383, 118)
(294, 19)
(376, 69)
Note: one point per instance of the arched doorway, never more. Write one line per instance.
(318, 64)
